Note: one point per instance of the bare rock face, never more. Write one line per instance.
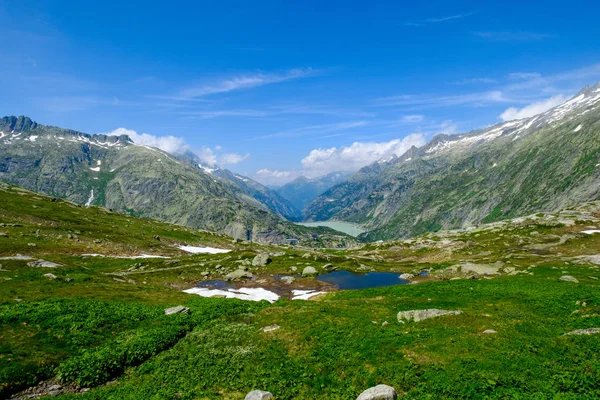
(420, 315)
(379, 392)
(259, 395)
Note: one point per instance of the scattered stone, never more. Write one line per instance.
(3, 234)
(261, 260)
(238, 274)
(420, 315)
(270, 328)
(288, 280)
(379, 392)
(309, 271)
(588, 331)
(328, 266)
(384, 323)
(68, 280)
(406, 276)
(31, 244)
(293, 268)
(488, 331)
(568, 278)
(43, 264)
(205, 273)
(176, 310)
(50, 276)
(259, 395)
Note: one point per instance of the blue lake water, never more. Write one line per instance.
(351, 280)
(346, 227)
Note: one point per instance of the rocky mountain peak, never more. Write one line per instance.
(17, 124)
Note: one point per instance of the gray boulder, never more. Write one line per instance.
(568, 278)
(259, 395)
(43, 264)
(238, 274)
(261, 260)
(288, 280)
(589, 331)
(379, 392)
(406, 276)
(50, 276)
(420, 315)
(176, 310)
(309, 271)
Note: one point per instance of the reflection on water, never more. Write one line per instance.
(351, 280)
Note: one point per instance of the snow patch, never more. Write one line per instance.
(251, 294)
(205, 250)
(32, 138)
(128, 257)
(99, 162)
(304, 294)
(591, 231)
(95, 169)
(578, 128)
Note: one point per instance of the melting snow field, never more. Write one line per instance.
(252, 294)
(591, 231)
(205, 250)
(304, 294)
(129, 257)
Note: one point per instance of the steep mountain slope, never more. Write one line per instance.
(542, 163)
(116, 173)
(302, 191)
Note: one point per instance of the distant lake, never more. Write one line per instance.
(346, 227)
(351, 280)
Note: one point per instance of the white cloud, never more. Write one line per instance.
(524, 75)
(246, 82)
(472, 81)
(510, 36)
(357, 155)
(472, 99)
(232, 158)
(412, 119)
(177, 145)
(170, 144)
(532, 109)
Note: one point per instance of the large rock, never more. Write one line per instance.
(478, 269)
(406, 276)
(589, 331)
(43, 263)
(259, 395)
(379, 392)
(420, 315)
(238, 274)
(568, 278)
(261, 260)
(309, 271)
(177, 310)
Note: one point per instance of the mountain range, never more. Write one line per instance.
(542, 163)
(114, 172)
(302, 190)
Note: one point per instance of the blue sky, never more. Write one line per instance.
(278, 89)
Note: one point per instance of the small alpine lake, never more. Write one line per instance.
(348, 228)
(344, 280)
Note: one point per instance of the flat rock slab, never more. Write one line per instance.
(176, 310)
(379, 392)
(420, 315)
(43, 264)
(270, 328)
(589, 331)
(259, 395)
(568, 278)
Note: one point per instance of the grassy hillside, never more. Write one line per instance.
(99, 331)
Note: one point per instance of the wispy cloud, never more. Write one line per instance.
(523, 75)
(424, 101)
(532, 109)
(312, 130)
(435, 20)
(513, 36)
(276, 110)
(474, 81)
(244, 82)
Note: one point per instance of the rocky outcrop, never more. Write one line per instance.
(259, 395)
(420, 315)
(568, 278)
(261, 260)
(176, 310)
(309, 271)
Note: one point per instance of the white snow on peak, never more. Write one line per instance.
(578, 128)
(206, 169)
(32, 138)
(95, 169)
(99, 162)
(205, 250)
(252, 294)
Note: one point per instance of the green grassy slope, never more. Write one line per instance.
(100, 323)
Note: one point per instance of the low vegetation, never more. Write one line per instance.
(97, 326)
